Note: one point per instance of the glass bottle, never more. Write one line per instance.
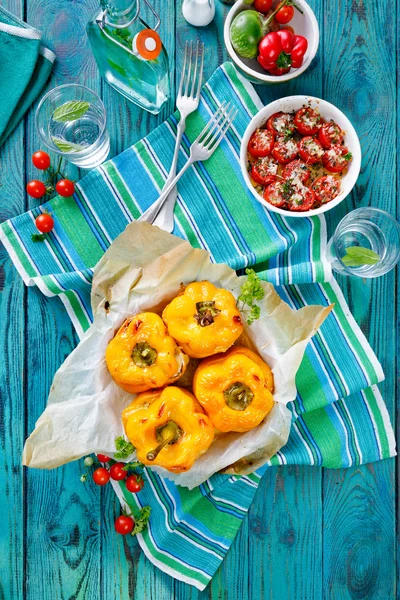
(130, 56)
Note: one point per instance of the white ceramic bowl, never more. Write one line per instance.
(328, 111)
(305, 25)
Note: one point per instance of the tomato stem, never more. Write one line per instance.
(278, 8)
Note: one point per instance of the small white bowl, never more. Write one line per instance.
(303, 24)
(328, 111)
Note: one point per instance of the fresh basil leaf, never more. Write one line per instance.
(70, 111)
(65, 146)
(357, 256)
(38, 237)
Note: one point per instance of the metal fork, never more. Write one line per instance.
(187, 102)
(201, 149)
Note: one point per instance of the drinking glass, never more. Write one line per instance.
(71, 121)
(369, 228)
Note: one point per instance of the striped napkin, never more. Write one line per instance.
(339, 417)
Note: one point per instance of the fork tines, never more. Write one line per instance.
(192, 71)
(218, 125)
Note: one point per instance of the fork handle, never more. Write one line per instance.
(152, 212)
(165, 218)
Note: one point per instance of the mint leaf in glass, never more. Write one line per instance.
(65, 146)
(70, 111)
(357, 256)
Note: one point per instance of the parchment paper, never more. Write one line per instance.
(143, 270)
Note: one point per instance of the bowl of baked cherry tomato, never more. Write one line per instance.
(300, 156)
(271, 41)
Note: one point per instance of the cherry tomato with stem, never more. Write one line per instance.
(41, 160)
(36, 188)
(65, 187)
(101, 476)
(103, 458)
(285, 14)
(44, 223)
(134, 484)
(117, 471)
(124, 524)
(262, 6)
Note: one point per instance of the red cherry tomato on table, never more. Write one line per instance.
(134, 484)
(280, 123)
(65, 187)
(36, 188)
(103, 458)
(117, 471)
(336, 159)
(284, 14)
(296, 168)
(308, 121)
(101, 476)
(44, 223)
(41, 160)
(261, 143)
(326, 188)
(310, 150)
(284, 151)
(262, 6)
(264, 171)
(330, 134)
(124, 524)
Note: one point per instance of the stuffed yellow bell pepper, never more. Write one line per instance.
(235, 389)
(143, 356)
(203, 319)
(168, 428)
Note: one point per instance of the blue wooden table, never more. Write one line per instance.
(310, 534)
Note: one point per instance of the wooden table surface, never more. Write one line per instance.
(311, 534)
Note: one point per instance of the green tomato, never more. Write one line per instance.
(246, 33)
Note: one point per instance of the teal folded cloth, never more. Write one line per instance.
(25, 65)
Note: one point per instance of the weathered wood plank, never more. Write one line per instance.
(63, 515)
(359, 504)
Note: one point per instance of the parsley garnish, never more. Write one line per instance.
(287, 134)
(142, 521)
(348, 156)
(287, 189)
(38, 237)
(251, 291)
(124, 448)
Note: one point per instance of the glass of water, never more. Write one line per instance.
(71, 120)
(366, 243)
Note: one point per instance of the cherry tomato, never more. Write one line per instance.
(103, 458)
(330, 134)
(65, 187)
(101, 476)
(307, 121)
(336, 159)
(284, 151)
(274, 194)
(36, 188)
(285, 14)
(41, 160)
(280, 123)
(117, 471)
(124, 524)
(44, 223)
(296, 168)
(310, 150)
(134, 484)
(264, 171)
(263, 6)
(261, 143)
(289, 28)
(326, 188)
(303, 199)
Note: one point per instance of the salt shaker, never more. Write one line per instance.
(198, 12)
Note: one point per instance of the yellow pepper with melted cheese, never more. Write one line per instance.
(235, 389)
(168, 428)
(203, 319)
(143, 356)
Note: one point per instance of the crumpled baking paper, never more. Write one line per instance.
(142, 271)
